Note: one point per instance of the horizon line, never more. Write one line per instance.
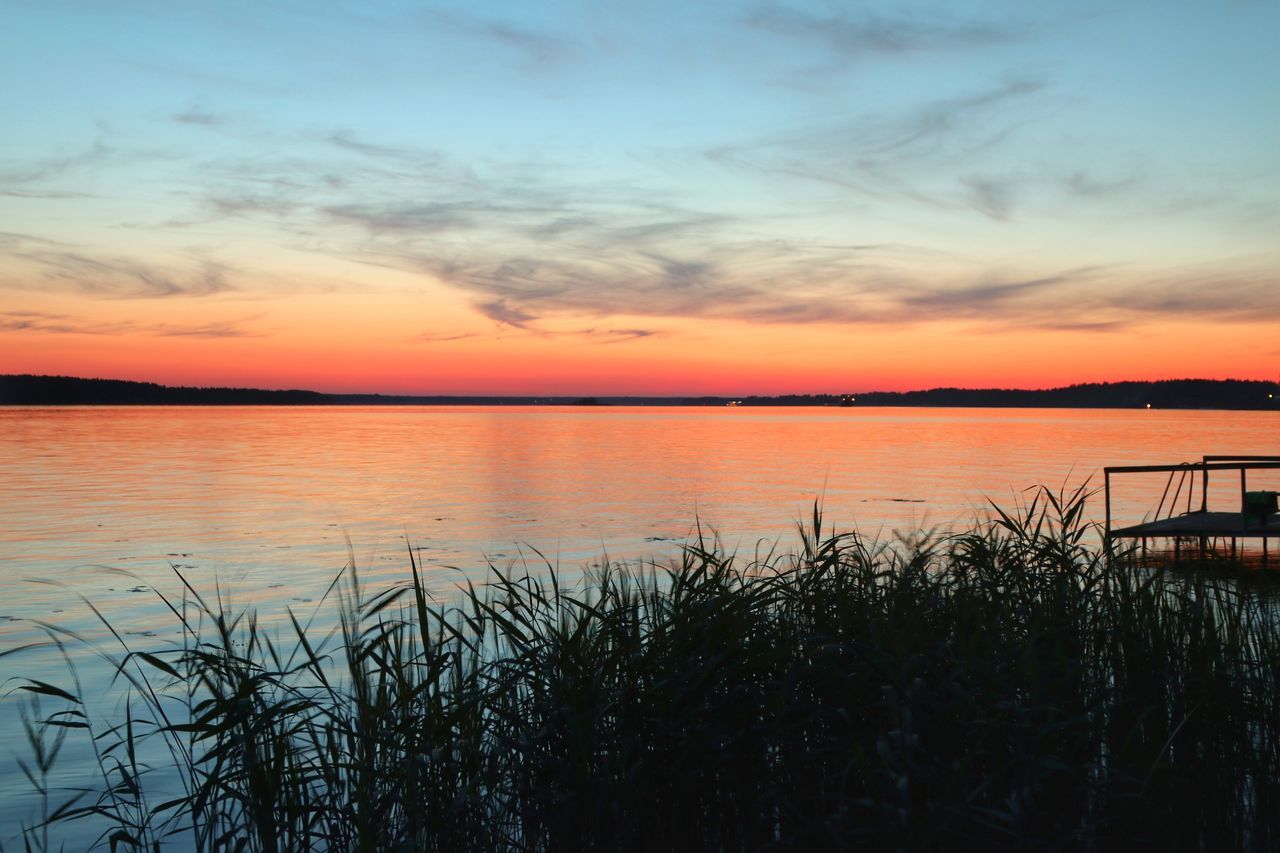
(602, 395)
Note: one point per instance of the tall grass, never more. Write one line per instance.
(1012, 687)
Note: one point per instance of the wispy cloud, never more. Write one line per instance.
(992, 196)
(915, 156)
(434, 338)
(201, 118)
(246, 204)
(36, 264)
(43, 323)
(535, 49)
(347, 140)
(215, 329)
(500, 311)
(55, 324)
(1088, 185)
(44, 194)
(533, 245)
(1204, 291)
(875, 286)
(859, 33)
(415, 219)
(990, 298)
(57, 165)
(615, 336)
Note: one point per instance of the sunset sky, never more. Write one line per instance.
(639, 198)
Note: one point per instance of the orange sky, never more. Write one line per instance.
(347, 344)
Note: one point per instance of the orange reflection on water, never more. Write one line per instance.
(264, 496)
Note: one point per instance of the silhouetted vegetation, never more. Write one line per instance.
(1007, 688)
(70, 391)
(27, 390)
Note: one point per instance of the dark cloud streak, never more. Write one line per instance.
(856, 35)
(536, 49)
(912, 157)
(38, 322)
(44, 265)
(200, 118)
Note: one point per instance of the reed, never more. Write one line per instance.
(1010, 687)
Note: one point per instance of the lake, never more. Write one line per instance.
(266, 504)
(265, 500)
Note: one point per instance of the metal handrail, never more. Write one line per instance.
(1182, 477)
(1239, 463)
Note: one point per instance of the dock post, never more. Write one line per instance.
(1244, 513)
(1106, 538)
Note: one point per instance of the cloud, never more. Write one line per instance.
(346, 140)
(614, 336)
(431, 338)
(130, 279)
(13, 240)
(859, 34)
(408, 218)
(1082, 183)
(48, 168)
(503, 316)
(415, 164)
(777, 282)
(200, 118)
(243, 204)
(45, 265)
(1108, 299)
(988, 297)
(1101, 326)
(684, 275)
(913, 156)
(215, 329)
(1204, 292)
(43, 194)
(535, 49)
(520, 291)
(992, 196)
(533, 244)
(500, 311)
(38, 322)
(53, 324)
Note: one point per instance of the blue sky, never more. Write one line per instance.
(1061, 166)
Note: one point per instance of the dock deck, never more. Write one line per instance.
(1202, 525)
(1205, 523)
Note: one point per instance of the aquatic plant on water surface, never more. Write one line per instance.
(1016, 686)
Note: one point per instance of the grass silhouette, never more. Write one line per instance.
(1011, 687)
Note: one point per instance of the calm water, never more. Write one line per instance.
(263, 501)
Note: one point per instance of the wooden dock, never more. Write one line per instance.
(1178, 519)
(1197, 523)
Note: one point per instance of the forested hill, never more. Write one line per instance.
(1164, 394)
(26, 390)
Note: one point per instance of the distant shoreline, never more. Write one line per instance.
(1221, 394)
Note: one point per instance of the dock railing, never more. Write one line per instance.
(1241, 464)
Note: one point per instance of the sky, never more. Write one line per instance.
(640, 198)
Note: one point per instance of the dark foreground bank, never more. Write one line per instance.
(1007, 688)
